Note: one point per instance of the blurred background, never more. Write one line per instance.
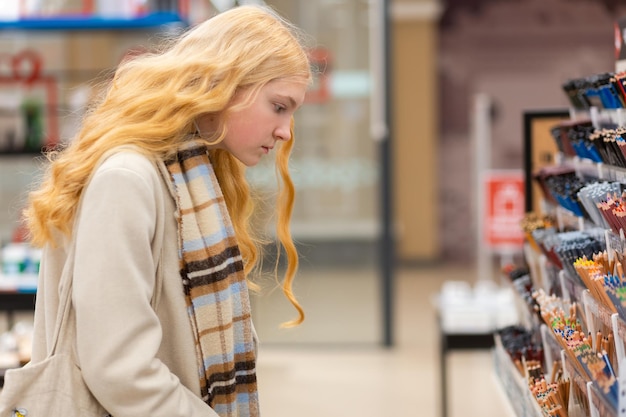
(412, 100)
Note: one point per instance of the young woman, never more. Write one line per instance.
(148, 210)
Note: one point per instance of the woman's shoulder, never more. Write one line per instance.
(128, 166)
(127, 158)
(127, 161)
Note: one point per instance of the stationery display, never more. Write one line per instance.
(572, 283)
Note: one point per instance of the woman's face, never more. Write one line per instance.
(254, 130)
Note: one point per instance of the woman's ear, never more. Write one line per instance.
(206, 125)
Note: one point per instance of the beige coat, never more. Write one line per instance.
(137, 361)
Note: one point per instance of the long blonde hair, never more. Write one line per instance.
(152, 102)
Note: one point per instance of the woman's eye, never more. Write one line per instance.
(279, 108)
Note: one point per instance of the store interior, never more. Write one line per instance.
(415, 103)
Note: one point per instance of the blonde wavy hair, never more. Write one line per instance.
(152, 103)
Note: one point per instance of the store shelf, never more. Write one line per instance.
(12, 301)
(599, 170)
(514, 384)
(78, 22)
(23, 283)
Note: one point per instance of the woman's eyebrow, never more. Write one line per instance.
(290, 99)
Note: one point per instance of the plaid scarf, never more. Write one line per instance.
(215, 287)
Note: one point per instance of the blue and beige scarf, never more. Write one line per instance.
(215, 286)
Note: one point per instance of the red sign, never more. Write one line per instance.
(504, 209)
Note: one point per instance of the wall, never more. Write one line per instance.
(415, 123)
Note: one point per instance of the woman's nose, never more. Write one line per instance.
(283, 132)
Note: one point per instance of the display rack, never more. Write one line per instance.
(514, 383)
(516, 387)
(599, 400)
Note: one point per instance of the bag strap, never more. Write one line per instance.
(65, 282)
(65, 302)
